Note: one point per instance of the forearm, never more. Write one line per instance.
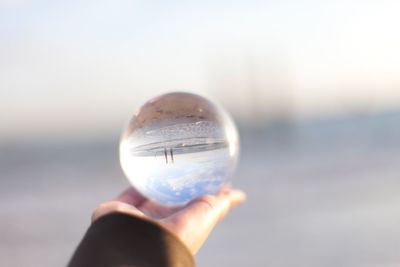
(122, 240)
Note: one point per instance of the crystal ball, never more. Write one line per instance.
(179, 146)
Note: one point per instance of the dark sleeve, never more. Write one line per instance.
(122, 240)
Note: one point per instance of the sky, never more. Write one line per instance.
(81, 67)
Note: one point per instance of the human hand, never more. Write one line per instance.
(191, 223)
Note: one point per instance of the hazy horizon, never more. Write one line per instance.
(70, 68)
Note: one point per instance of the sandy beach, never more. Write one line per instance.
(320, 193)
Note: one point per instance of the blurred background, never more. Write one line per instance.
(314, 87)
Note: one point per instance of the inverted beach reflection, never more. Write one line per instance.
(176, 178)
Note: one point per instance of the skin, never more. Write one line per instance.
(192, 223)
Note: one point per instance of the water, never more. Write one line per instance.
(177, 147)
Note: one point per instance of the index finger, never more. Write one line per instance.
(214, 208)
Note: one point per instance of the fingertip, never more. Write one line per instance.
(238, 196)
(230, 199)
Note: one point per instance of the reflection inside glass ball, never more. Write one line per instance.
(179, 146)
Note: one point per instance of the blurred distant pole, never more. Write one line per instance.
(258, 89)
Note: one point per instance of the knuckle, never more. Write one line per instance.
(207, 200)
(103, 209)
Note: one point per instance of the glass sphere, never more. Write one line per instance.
(179, 146)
